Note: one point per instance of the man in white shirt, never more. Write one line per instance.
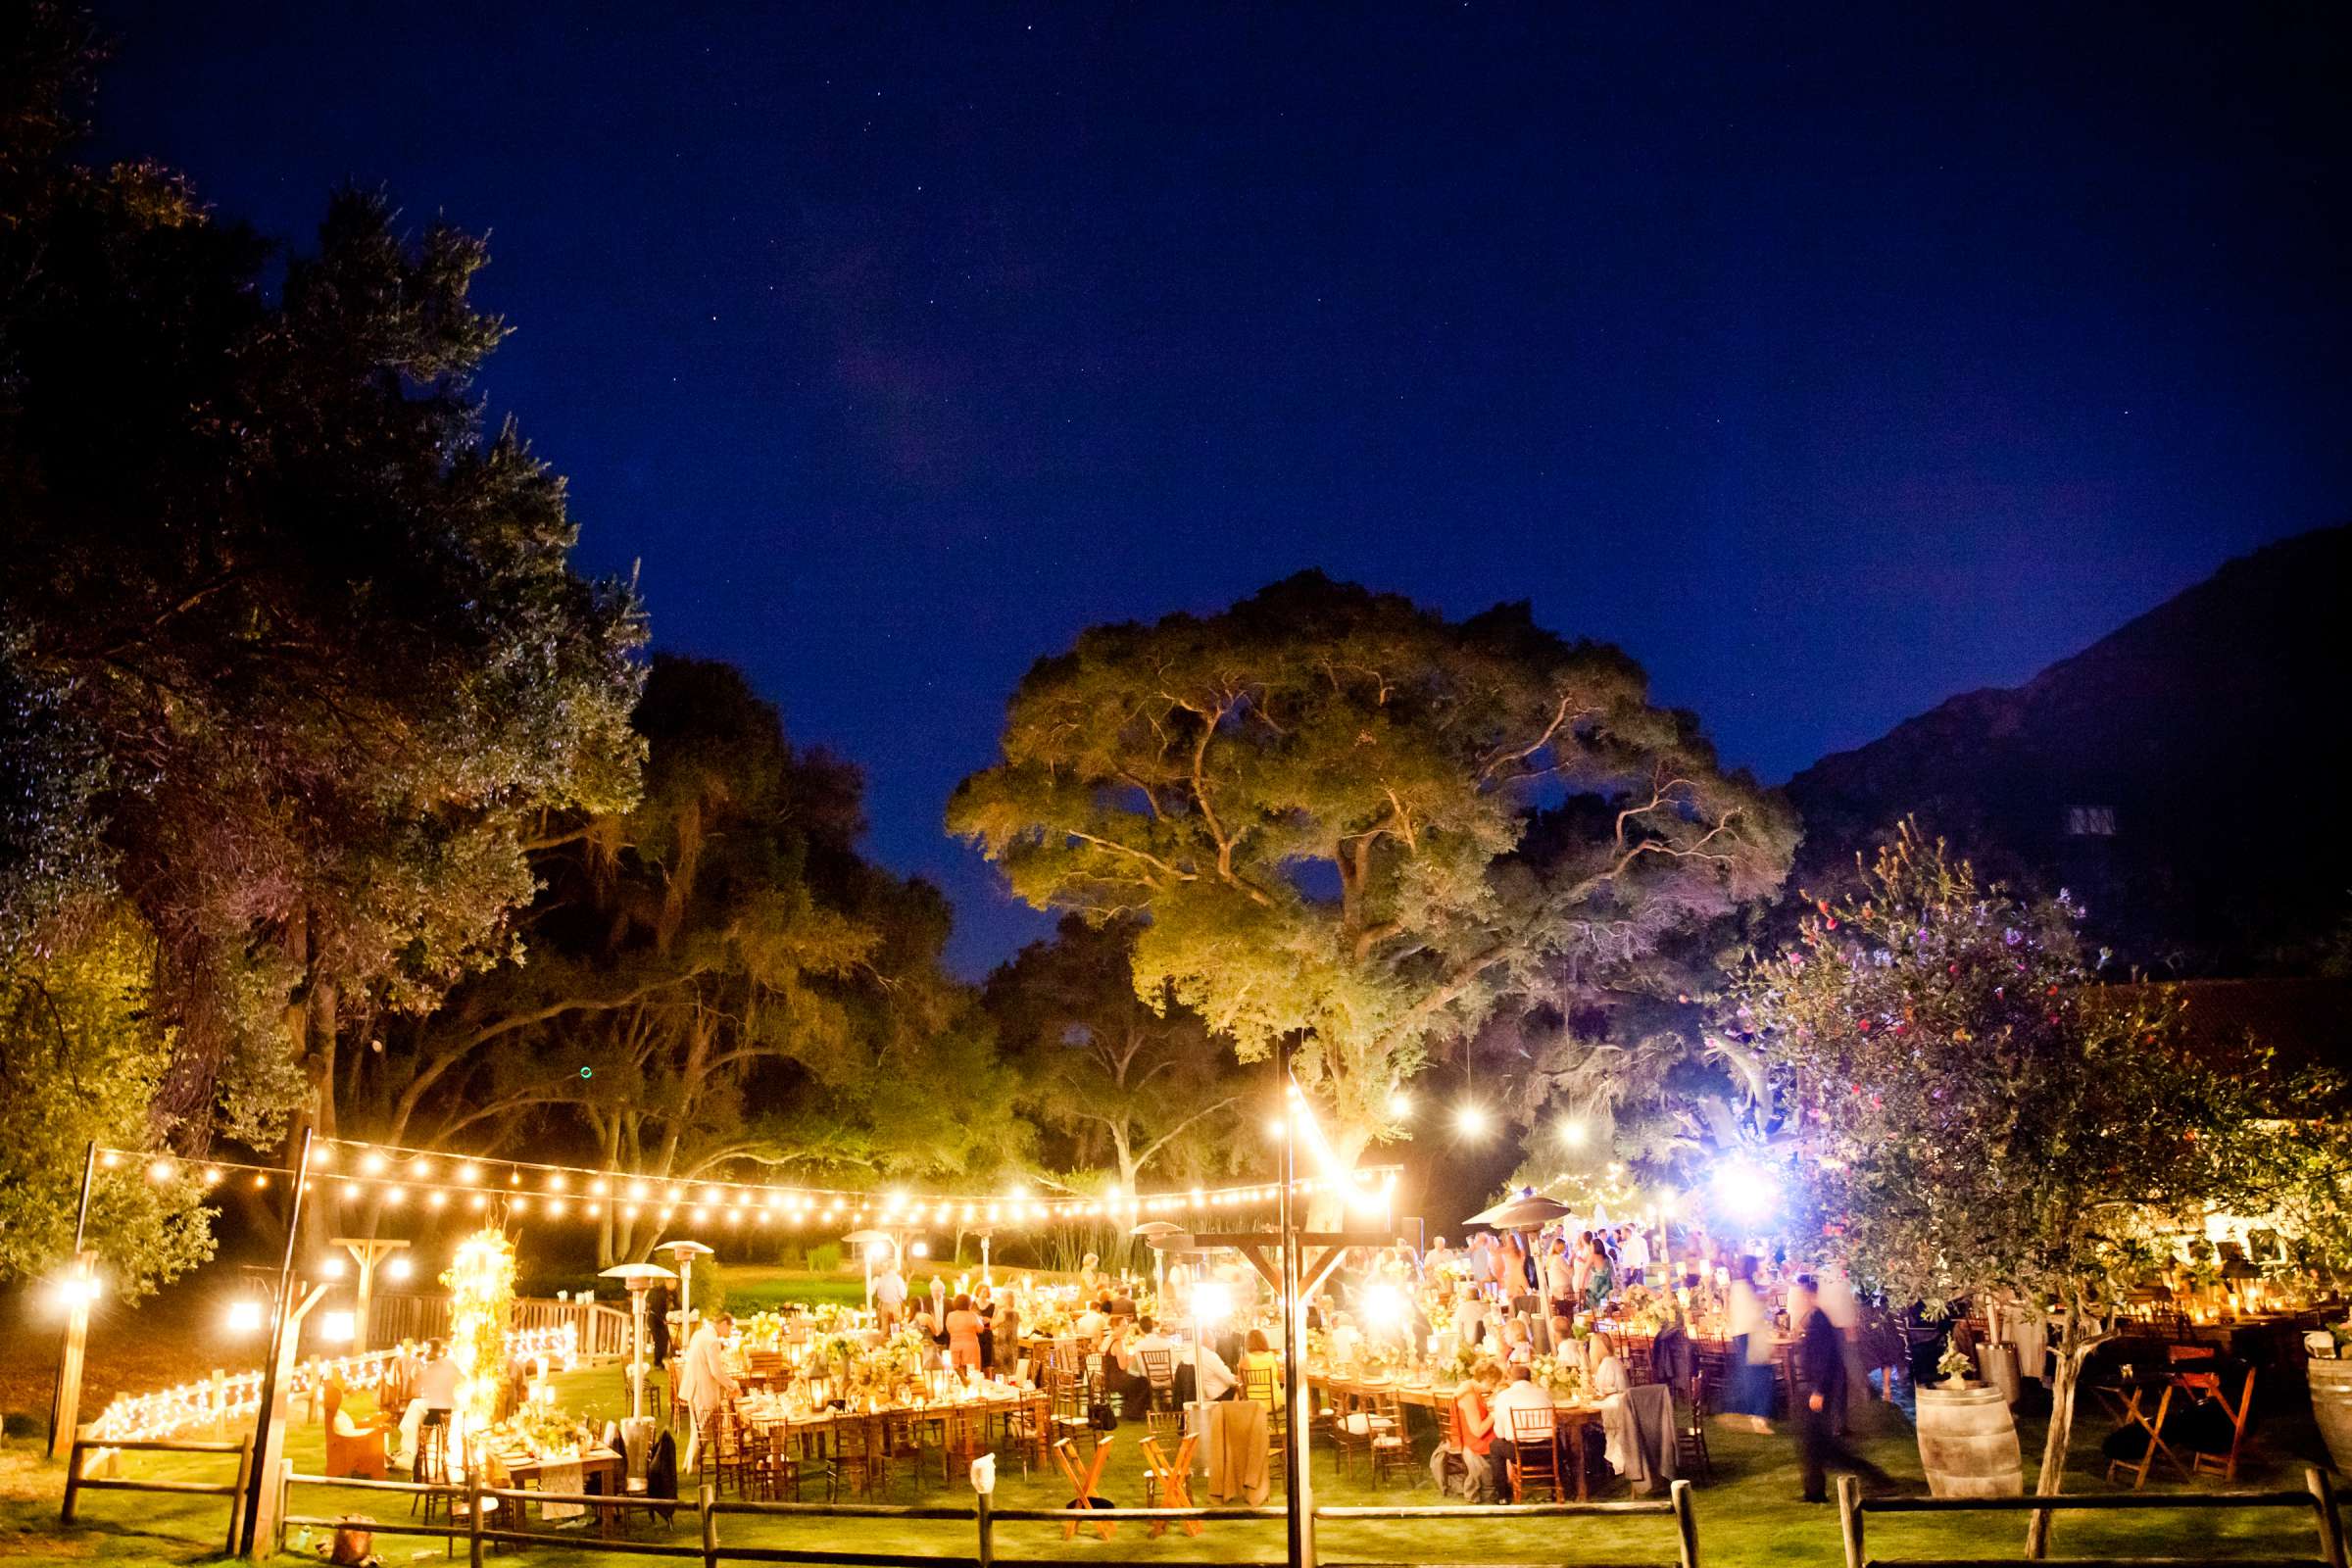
(890, 1296)
(1090, 1324)
(1559, 1279)
(436, 1389)
(1212, 1381)
(1469, 1313)
(1632, 1256)
(1515, 1407)
(704, 1382)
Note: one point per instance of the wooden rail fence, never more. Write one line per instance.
(77, 1483)
(484, 1516)
(2318, 1494)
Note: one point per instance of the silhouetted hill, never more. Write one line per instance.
(2176, 773)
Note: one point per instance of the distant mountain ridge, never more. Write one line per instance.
(2178, 774)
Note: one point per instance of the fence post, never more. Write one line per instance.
(1686, 1522)
(474, 1514)
(64, 1515)
(988, 1530)
(237, 1499)
(2332, 1525)
(710, 1526)
(1850, 1518)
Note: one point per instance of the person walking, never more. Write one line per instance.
(1751, 1393)
(1822, 1378)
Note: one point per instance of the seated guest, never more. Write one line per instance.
(1091, 1323)
(1214, 1380)
(1517, 1349)
(1608, 1374)
(1516, 1410)
(1469, 1435)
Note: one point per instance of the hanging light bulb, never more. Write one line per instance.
(1572, 1132)
(1470, 1119)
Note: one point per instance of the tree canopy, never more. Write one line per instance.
(1320, 800)
(296, 656)
(1973, 1111)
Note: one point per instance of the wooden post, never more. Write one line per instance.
(1686, 1522)
(710, 1526)
(64, 1404)
(473, 1515)
(988, 1530)
(65, 1514)
(237, 1499)
(285, 1320)
(1297, 1474)
(65, 1413)
(2332, 1525)
(1850, 1519)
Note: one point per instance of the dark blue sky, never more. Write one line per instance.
(1830, 361)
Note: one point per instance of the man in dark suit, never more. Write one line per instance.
(1820, 1373)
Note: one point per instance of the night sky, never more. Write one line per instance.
(1829, 362)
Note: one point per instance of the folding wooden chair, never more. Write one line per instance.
(2218, 1464)
(1167, 1483)
(2132, 1416)
(1082, 1492)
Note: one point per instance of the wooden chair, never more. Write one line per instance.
(2220, 1464)
(862, 1454)
(2154, 1430)
(430, 1467)
(1691, 1440)
(1535, 1455)
(460, 1509)
(1159, 1370)
(1264, 1384)
(1351, 1432)
(1392, 1449)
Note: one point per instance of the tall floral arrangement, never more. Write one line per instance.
(481, 1309)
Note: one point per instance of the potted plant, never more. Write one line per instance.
(1955, 1366)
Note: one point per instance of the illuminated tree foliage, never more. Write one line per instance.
(1127, 1086)
(1976, 1112)
(80, 1060)
(715, 980)
(1319, 798)
(309, 631)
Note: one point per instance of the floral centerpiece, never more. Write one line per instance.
(541, 1429)
(1955, 1366)
(1563, 1380)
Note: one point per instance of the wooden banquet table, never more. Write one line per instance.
(817, 1433)
(602, 1471)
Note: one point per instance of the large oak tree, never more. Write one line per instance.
(1319, 800)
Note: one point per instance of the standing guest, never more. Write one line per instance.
(1434, 1260)
(939, 1307)
(965, 1327)
(1844, 1309)
(657, 1307)
(1470, 1434)
(984, 1302)
(398, 1387)
(890, 1295)
(1600, 1282)
(1751, 1393)
(1580, 1266)
(704, 1385)
(1632, 1256)
(1559, 1279)
(1820, 1373)
(436, 1389)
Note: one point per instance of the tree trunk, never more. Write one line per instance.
(2074, 1351)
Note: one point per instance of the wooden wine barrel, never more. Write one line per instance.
(1967, 1443)
(2331, 1407)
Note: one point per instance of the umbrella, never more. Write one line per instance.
(1528, 1210)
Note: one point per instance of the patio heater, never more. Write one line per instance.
(683, 1254)
(640, 1278)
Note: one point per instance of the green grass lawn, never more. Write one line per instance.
(1748, 1514)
